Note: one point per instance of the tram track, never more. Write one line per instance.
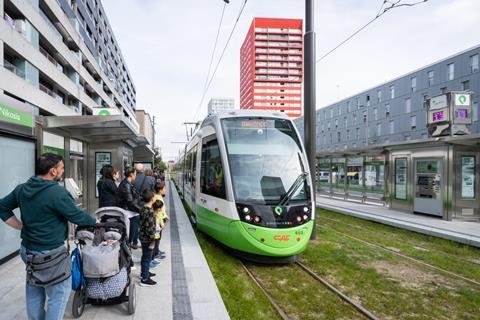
(281, 312)
(450, 273)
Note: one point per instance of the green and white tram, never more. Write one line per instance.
(245, 176)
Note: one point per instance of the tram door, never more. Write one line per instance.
(428, 184)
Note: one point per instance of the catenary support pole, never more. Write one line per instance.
(309, 96)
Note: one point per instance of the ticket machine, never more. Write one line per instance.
(428, 187)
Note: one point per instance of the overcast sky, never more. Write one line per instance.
(167, 47)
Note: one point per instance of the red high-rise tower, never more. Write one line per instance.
(271, 66)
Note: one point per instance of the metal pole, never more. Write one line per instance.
(309, 97)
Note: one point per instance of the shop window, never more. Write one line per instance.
(212, 175)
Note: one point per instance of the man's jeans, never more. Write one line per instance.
(134, 221)
(56, 295)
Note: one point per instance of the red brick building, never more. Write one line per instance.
(271, 66)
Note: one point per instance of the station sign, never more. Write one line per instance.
(105, 111)
(461, 99)
(438, 102)
(16, 116)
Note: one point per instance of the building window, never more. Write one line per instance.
(387, 110)
(379, 129)
(466, 85)
(450, 71)
(375, 114)
(474, 63)
(392, 92)
(331, 113)
(336, 123)
(357, 133)
(431, 75)
(339, 136)
(413, 122)
(364, 116)
(345, 122)
(425, 100)
(443, 90)
(475, 112)
(328, 125)
(414, 83)
(408, 105)
(358, 103)
(379, 95)
(368, 100)
(392, 127)
(354, 118)
(349, 107)
(348, 135)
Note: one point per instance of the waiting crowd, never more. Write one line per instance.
(46, 208)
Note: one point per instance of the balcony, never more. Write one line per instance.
(11, 67)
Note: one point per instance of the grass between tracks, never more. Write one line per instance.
(242, 298)
(388, 285)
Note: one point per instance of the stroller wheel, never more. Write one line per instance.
(132, 298)
(78, 304)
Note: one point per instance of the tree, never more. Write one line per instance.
(158, 161)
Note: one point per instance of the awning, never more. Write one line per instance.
(95, 129)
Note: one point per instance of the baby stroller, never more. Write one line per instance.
(107, 260)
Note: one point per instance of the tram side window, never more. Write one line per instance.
(212, 178)
(194, 166)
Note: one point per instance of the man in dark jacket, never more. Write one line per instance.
(142, 181)
(46, 208)
(129, 199)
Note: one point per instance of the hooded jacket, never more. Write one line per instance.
(46, 208)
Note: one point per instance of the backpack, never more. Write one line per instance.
(77, 270)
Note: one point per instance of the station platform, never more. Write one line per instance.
(186, 288)
(463, 232)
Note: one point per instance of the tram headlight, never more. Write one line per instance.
(305, 217)
(246, 210)
(248, 218)
(305, 209)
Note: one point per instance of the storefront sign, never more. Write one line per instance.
(11, 115)
(101, 159)
(468, 177)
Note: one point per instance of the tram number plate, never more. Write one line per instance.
(299, 232)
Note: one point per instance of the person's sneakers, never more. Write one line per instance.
(148, 283)
(134, 246)
(150, 274)
(153, 264)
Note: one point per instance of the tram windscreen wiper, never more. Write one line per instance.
(296, 184)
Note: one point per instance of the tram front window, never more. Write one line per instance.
(265, 160)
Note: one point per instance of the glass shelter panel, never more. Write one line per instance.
(338, 175)
(324, 175)
(355, 174)
(401, 179)
(375, 174)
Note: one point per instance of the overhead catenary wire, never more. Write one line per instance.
(220, 59)
(383, 9)
(215, 45)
